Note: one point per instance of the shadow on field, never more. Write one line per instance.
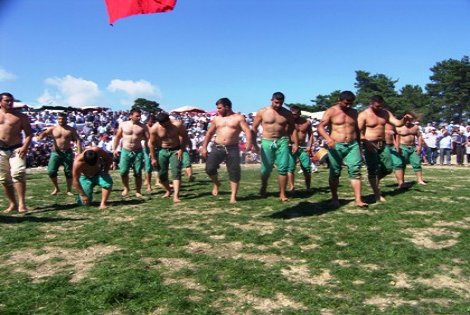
(306, 209)
(124, 202)
(29, 218)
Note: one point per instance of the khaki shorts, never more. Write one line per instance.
(12, 167)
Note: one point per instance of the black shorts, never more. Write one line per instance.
(231, 156)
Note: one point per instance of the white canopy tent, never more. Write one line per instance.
(187, 108)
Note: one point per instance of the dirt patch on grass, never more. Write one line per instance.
(52, 260)
(417, 212)
(262, 228)
(384, 302)
(241, 301)
(452, 279)
(424, 237)
(233, 250)
(301, 273)
(400, 280)
(465, 224)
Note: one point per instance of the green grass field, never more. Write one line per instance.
(260, 256)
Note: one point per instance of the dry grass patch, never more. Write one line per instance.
(262, 227)
(301, 273)
(56, 259)
(424, 237)
(453, 279)
(232, 250)
(239, 298)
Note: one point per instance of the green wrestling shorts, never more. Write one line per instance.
(131, 159)
(275, 152)
(59, 158)
(304, 159)
(186, 160)
(348, 154)
(408, 155)
(88, 183)
(168, 159)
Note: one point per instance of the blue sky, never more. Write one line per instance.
(64, 51)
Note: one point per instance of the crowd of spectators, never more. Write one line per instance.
(97, 128)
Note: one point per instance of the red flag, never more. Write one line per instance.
(121, 8)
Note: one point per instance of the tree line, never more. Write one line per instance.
(446, 97)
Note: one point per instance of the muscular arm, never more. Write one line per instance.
(78, 141)
(254, 128)
(45, 133)
(209, 134)
(310, 138)
(292, 133)
(28, 136)
(116, 140)
(153, 143)
(76, 171)
(361, 125)
(326, 121)
(248, 134)
(394, 121)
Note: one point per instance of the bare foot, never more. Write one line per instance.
(422, 183)
(125, 193)
(334, 203)
(292, 189)
(138, 195)
(149, 188)
(55, 192)
(380, 199)
(103, 207)
(233, 200)
(283, 198)
(167, 195)
(215, 189)
(69, 193)
(10, 208)
(361, 204)
(176, 200)
(22, 209)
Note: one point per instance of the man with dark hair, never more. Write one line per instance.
(227, 127)
(303, 128)
(13, 149)
(90, 169)
(170, 138)
(371, 124)
(278, 130)
(133, 133)
(343, 145)
(406, 151)
(63, 135)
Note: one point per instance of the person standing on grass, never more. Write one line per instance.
(133, 133)
(13, 149)
(278, 130)
(343, 145)
(63, 136)
(372, 123)
(90, 169)
(227, 127)
(148, 168)
(407, 151)
(170, 138)
(303, 128)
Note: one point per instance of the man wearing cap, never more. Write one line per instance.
(13, 149)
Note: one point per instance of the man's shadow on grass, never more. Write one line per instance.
(29, 218)
(306, 209)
